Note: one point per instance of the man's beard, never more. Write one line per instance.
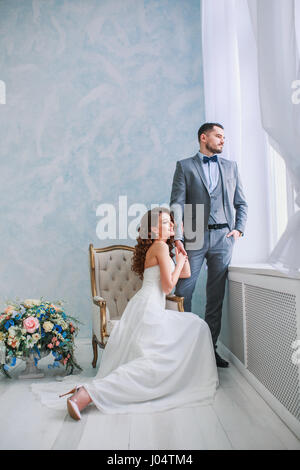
(213, 150)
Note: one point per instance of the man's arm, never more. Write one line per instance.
(178, 198)
(240, 204)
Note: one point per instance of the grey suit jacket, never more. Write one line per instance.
(189, 187)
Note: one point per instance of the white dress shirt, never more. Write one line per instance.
(211, 171)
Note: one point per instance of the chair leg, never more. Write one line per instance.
(95, 351)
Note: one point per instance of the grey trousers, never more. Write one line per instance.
(217, 249)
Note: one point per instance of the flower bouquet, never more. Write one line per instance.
(34, 328)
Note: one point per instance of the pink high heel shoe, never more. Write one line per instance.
(77, 402)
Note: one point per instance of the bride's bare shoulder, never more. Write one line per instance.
(160, 247)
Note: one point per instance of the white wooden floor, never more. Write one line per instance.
(238, 419)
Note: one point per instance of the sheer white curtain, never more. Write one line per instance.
(250, 60)
(232, 98)
(276, 25)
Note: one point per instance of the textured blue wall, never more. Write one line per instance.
(102, 98)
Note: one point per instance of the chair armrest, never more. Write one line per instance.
(99, 300)
(178, 300)
(101, 303)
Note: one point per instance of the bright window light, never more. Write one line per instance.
(279, 198)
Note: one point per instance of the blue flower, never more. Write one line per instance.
(56, 355)
(37, 350)
(13, 362)
(41, 312)
(58, 328)
(56, 364)
(15, 314)
(5, 367)
(8, 324)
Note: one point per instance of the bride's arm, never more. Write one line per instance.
(186, 270)
(167, 277)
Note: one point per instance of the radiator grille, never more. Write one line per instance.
(232, 325)
(269, 340)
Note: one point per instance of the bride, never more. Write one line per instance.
(155, 359)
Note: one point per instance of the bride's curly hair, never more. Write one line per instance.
(146, 238)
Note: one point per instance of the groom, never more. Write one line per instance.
(214, 182)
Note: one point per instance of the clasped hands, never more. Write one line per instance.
(182, 260)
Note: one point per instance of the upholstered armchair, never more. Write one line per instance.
(113, 284)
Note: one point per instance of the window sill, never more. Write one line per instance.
(261, 269)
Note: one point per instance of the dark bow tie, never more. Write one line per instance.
(210, 159)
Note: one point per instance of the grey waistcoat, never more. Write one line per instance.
(217, 214)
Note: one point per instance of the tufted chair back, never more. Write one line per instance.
(113, 278)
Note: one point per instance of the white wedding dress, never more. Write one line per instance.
(155, 359)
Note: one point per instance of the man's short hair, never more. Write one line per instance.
(208, 126)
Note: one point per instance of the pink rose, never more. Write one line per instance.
(9, 309)
(31, 324)
(50, 345)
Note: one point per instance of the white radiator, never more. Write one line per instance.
(259, 326)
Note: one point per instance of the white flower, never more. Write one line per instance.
(29, 341)
(13, 330)
(36, 337)
(48, 326)
(62, 323)
(31, 302)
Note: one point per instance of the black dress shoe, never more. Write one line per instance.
(221, 362)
